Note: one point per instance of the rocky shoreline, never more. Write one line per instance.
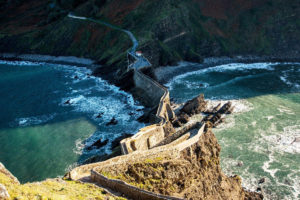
(214, 117)
(63, 60)
(165, 73)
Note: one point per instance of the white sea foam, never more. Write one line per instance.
(285, 110)
(226, 67)
(239, 105)
(286, 141)
(35, 120)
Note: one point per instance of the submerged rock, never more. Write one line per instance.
(113, 121)
(99, 115)
(98, 144)
(262, 180)
(68, 102)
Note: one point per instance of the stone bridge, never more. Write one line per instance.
(149, 136)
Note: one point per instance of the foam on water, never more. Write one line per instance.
(261, 138)
(29, 121)
(88, 97)
(223, 68)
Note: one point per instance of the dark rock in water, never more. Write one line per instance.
(99, 115)
(68, 102)
(184, 118)
(131, 113)
(98, 144)
(240, 164)
(76, 77)
(117, 141)
(225, 108)
(297, 139)
(113, 121)
(262, 180)
(258, 189)
(195, 106)
(139, 110)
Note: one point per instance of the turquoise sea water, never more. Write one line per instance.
(40, 136)
(262, 138)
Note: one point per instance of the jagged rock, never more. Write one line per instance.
(117, 141)
(192, 172)
(68, 102)
(8, 174)
(113, 121)
(195, 106)
(297, 139)
(3, 193)
(262, 180)
(183, 118)
(240, 164)
(99, 115)
(98, 144)
(225, 108)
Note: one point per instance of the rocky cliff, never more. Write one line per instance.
(168, 30)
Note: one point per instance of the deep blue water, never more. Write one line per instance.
(261, 139)
(42, 137)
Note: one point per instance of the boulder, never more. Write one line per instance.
(113, 121)
(195, 106)
(98, 144)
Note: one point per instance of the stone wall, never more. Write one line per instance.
(152, 91)
(148, 137)
(173, 149)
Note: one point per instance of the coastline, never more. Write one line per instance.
(164, 74)
(64, 60)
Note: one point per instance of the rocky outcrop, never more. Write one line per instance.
(195, 106)
(188, 170)
(7, 173)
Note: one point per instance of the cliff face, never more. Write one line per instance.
(181, 171)
(168, 30)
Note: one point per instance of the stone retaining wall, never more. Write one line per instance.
(172, 150)
(129, 190)
(150, 136)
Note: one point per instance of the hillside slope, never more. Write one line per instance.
(168, 30)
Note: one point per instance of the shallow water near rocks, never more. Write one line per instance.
(41, 136)
(262, 138)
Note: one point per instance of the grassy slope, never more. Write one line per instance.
(211, 28)
(57, 189)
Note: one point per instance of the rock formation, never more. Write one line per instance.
(195, 106)
(181, 171)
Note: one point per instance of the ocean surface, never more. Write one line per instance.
(262, 138)
(41, 136)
